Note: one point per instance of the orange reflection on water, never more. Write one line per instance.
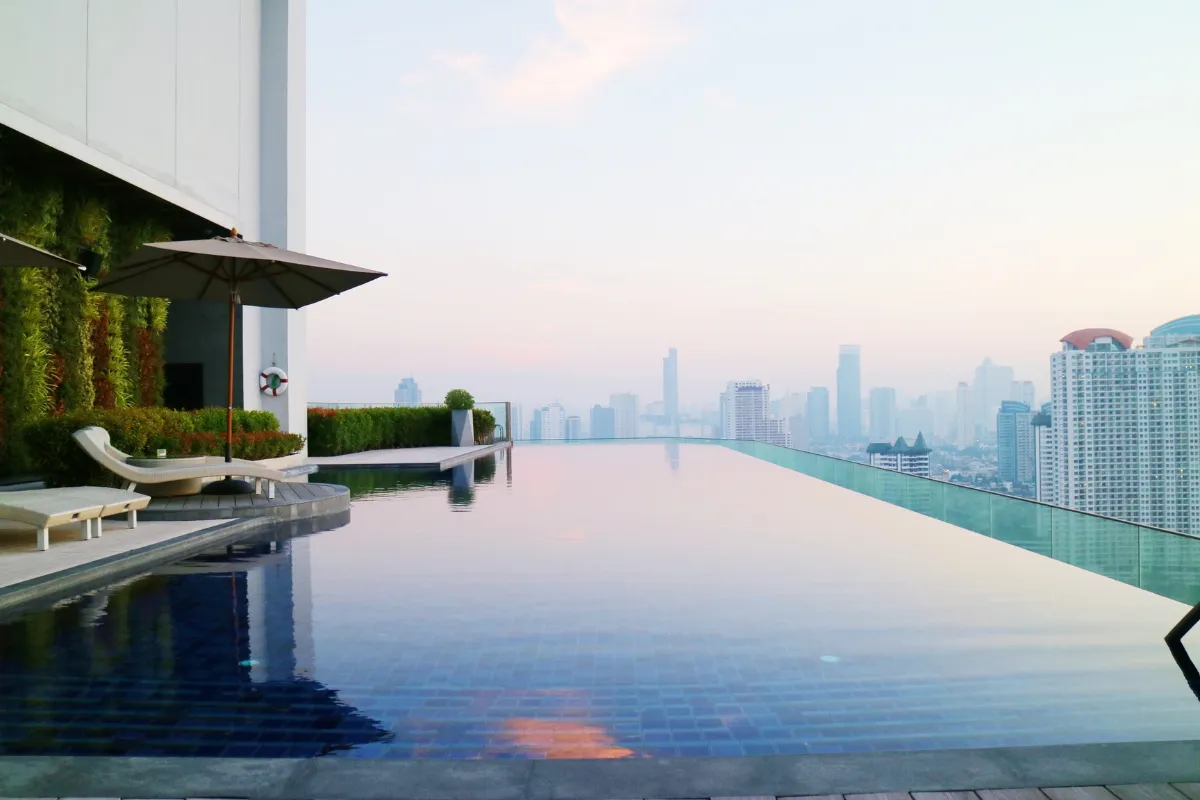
(550, 738)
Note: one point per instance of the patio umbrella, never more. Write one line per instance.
(15, 253)
(230, 269)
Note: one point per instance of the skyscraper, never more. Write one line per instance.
(1023, 392)
(746, 414)
(625, 406)
(671, 389)
(883, 414)
(535, 425)
(849, 393)
(1016, 444)
(993, 385)
(407, 393)
(816, 411)
(518, 423)
(1125, 424)
(554, 422)
(965, 419)
(574, 428)
(602, 423)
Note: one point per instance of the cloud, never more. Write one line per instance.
(594, 40)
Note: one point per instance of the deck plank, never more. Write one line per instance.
(1192, 790)
(879, 796)
(945, 796)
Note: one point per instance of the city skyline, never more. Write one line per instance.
(1001, 176)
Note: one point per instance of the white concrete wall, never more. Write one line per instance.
(200, 102)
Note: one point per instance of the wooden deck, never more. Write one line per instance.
(291, 501)
(416, 458)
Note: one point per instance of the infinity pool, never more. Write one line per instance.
(598, 601)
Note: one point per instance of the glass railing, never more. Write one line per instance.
(500, 411)
(1160, 561)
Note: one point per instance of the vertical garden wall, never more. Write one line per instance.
(63, 348)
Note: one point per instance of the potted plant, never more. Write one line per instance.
(462, 423)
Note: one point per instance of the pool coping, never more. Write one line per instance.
(315, 779)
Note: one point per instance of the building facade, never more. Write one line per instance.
(215, 128)
(1015, 444)
(1126, 424)
(671, 389)
(574, 428)
(993, 385)
(900, 456)
(553, 422)
(602, 423)
(746, 414)
(849, 393)
(964, 435)
(1043, 442)
(407, 393)
(816, 411)
(882, 414)
(625, 408)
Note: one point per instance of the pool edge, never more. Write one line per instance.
(313, 779)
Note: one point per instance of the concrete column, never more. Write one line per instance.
(281, 339)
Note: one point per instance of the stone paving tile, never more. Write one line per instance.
(1192, 790)
(1148, 791)
(945, 796)
(1010, 794)
(879, 796)
(821, 797)
(1080, 793)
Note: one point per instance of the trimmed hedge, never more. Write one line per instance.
(142, 431)
(333, 432)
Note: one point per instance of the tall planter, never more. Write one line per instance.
(462, 428)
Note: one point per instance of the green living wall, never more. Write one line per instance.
(62, 348)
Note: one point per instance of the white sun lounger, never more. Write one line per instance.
(47, 508)
(96, 443)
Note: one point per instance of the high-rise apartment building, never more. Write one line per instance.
(602, 423)
(746, 414)
(671, 389)
(797, 428)
(574, 428)
(964, 435)
(553, 420)
(407, 393)
(1015, 444)
(993, 385)
(816, 411)
(1043, 442)
(518, 423)
(849, 393)
(625, 407)
(1125, 424)
(1023, 392)
(882, 414)
(901, 456)
(535, 425)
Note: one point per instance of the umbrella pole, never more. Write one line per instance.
(229, 406)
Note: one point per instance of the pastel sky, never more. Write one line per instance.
(563, 189)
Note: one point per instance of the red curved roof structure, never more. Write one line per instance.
(1082, 338)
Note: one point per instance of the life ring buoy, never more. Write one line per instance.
(273, 381)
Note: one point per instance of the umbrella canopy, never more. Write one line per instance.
(232, 270)
(15, 253)
(209, 269)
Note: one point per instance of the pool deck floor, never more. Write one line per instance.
(1133, 771)
(415, 458)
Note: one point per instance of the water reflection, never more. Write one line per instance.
(213, 656)
(672, 449)
(462, 486)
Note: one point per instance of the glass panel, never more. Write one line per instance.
(1104, 546)
(968, 508)
(1170, 564)
(1024, 524)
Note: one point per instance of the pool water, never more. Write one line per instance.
(598, 601)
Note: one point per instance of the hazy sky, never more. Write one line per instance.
(563, 189)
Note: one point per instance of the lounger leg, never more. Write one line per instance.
(129, 486)
(132, 518)
(270, 490)
(43, 538)
(99, 527)
(258, 485)
(85, 529)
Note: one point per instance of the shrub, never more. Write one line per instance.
(140, 431)
(459, 400)
(333, 432)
